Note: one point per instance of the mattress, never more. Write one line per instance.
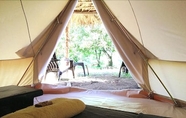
(117, 102)
(98, 112)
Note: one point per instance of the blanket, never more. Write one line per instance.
(60, 108)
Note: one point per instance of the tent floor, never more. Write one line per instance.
(116, 100)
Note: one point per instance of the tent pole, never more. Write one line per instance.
(67, 42)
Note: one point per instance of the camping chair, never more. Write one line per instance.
(54, 67)
(71, 67)
(82, 65)
(123, 68)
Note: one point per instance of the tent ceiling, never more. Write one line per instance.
(158, 25)
(153, 23)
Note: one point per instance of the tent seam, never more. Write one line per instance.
(28, 29)
(136, 22)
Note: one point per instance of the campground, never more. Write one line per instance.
(99, 79)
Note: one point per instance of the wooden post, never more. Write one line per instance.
(67, 43)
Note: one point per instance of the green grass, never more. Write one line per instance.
(102, 72)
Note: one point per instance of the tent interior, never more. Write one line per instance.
(149, 35)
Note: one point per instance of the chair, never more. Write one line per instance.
(54, 67)
(71, 67)
(123, 68)
(80, 64)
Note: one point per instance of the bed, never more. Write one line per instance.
(13, 98)
(97, 112)
(108, 103)
(72, 108)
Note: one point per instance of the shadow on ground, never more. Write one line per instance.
(106, 79)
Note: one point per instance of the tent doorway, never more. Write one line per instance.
(86, 40)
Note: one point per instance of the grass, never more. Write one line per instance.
(100, 79)
(102, 72)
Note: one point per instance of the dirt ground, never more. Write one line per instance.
(102, 80)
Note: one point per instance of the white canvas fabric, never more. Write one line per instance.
(159, 27)
(149, 35)
(30, 29)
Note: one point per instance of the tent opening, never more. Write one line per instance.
(86, 41)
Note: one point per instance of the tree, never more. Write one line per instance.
(103, 44)
(108, 49)
(89, 44)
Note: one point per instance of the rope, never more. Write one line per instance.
(136, 21)
(139, 50)
(28, 29)
(114, 19)
(25, 72)
(147, 61)
(57, 22)
(141, 53)
(30, 39)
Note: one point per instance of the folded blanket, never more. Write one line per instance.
(60, 108)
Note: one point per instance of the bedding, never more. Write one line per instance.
(58, 108)
(98, 112)
(133, 101)
(13, 98)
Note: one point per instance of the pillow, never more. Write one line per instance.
(60, 108)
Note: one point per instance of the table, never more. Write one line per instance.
(13, 98)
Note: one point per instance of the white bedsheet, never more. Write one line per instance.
(109, 100)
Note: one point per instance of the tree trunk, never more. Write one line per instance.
(109, 56)
(67, 42)
(110, 62)
(98, 56)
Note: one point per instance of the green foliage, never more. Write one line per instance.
(88, 44)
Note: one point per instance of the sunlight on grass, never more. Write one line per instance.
(103, 72)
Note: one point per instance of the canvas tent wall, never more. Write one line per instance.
(148, 23)
(148, 34)
(26, 36)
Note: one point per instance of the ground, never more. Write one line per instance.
(106, 79)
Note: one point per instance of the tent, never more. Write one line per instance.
(149, 36)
